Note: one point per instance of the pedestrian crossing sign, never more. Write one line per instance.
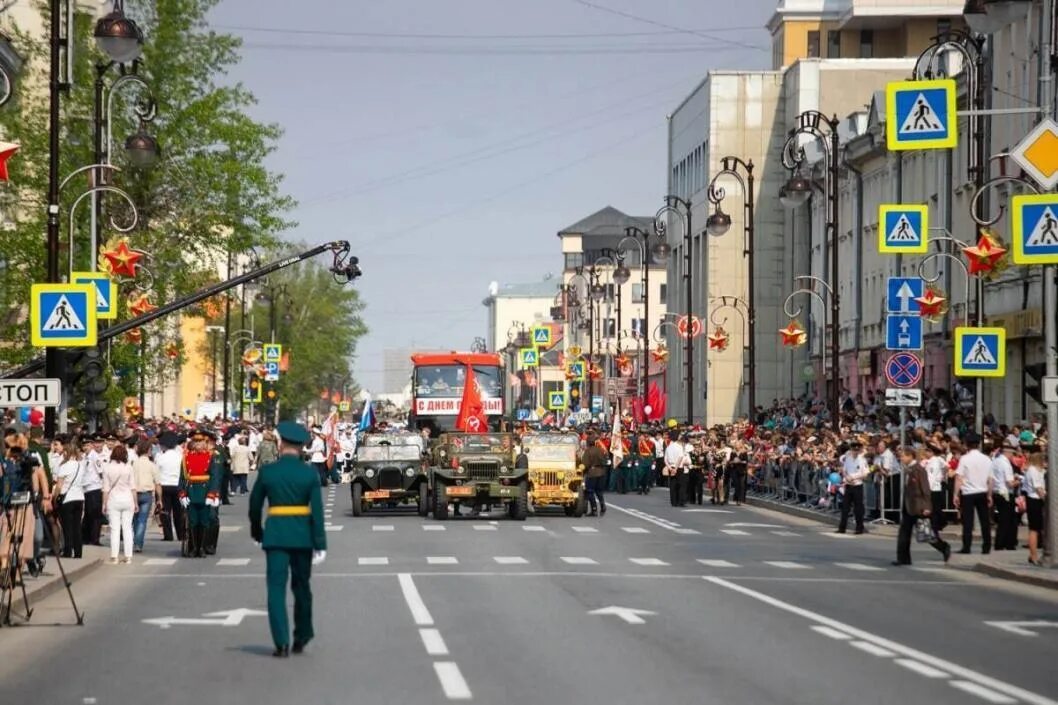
(921, 115)
(542, 336)
(980, 352)
(106, 292)
(575, 369)
(273, 352)
(556, 401)
(62, 315)
(529, 357)
(903, 228)
(1034, 225)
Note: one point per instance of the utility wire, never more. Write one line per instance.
(485, 37)
(558, 50)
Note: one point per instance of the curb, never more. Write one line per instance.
(55, 583)
(1049, 582)
(792, 511)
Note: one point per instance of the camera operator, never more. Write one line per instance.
(21, 498)
(346, 448)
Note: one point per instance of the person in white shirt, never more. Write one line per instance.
(1005, 485)
(854, 471)
(973, 493)
(92, 523)
(936, 471)
(170, 465)
(888, 479)
(69, 485)
(317, 454)
(675, 462)
(1035, 495)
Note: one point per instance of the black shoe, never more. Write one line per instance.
(602, 511)
(593, 513)
(947, 553)
(299, 646)
(860, 531)
(985, 551)
(281, 652)
(901, 562)
(965, 551)
(840, 531)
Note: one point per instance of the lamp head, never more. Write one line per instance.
(796, 192)
(597, 291)
(718, 223)
(119, 37)
(143, 149)
(660, 252)
(621, 275)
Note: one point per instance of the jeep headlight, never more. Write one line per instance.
(561, 475)
(442, 453)
(369, 473)
(410, 472)
(504, 469)
(459, 469)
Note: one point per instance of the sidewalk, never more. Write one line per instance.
(50, 581)
(1007, 565)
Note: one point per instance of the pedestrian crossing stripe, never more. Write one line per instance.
(63, 315)
(980, 352)
(903, 228)
(1034, 226)
(921, 115)
(106, 292)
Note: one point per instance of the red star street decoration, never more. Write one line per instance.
(132, 406)
(660, 354)
(985, 257)
(793, 335)
(719, 339)
(141, 304)
(134, 336)
(119, 260)
(6, 150)
(594, 371)
(251, 356)
(172, 351)
(932, 305)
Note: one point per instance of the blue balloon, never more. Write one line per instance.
(834, 478)
(23, 414)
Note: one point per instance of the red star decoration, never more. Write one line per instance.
(931, 303)
(661, 354)
(6, 150)
(172, 351)
(141, 305)
(134, 336)
(595, 372)
(793, 335)
(985, 255)
(718, 339)
(121, 260)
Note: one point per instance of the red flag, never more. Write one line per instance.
(471, 409)
(324, 393)
(656, 400)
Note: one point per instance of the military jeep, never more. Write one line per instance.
(555, 478)
(475, 469)
(390, 470)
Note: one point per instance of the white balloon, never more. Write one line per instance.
(647, 409)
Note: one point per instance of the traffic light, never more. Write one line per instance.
(1036, 373)
(86, 370)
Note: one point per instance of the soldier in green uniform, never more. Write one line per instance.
(199, 492)
(293, 538)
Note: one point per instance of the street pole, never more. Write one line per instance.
(227, 334)
(644, 331)
(54, 363)
(213, 364)
(835, 304)
(687, 244)
(751, 294)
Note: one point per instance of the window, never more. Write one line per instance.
(574, 260)
(813, 45)
(637, 293)
(638, 327)
(664, 291)
(610, 328)
(867, 44)
(833, 45)
(609, 292)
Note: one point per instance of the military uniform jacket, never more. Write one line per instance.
(288, 482)
(197, 465)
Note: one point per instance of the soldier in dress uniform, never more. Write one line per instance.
(644, 462)
(199, 491)
(293, 538)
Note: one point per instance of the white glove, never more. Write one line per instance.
(212, 502)
(185, 502)
(257, 544)
(318, 557)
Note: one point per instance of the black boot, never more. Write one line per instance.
(212, 538)
(198, 538)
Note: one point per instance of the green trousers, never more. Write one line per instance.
(199, 515)
(297, 562)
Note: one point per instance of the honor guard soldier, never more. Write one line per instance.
(293, 538)
(645, 449)
(199, 492)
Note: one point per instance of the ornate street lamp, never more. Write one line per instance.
(118, 36)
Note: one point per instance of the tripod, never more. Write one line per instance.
(16, 512)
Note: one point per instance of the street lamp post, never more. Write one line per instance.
(672, 206)
(744, 311)
(717, 225)
(213, 358)
(660, 253)
(796, 193)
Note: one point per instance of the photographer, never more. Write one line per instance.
(23, 481)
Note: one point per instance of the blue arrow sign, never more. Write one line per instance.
(903, 332)
(900, 295)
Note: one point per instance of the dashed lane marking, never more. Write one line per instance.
(786, 533)
(226, 529)
(831, 632)
(735, 532)
(433, 642)
(919, 668)
(537, 527)
(788, 565)
(434, 527)
(160, 561)
(234, 561)
(648, 561)
(980, 691)
(863, 567)
(334, 527)
(484, 527)
(584, 529)
(452, 681)
(635, 530)
(382, 527)
(716, 563)
(416, 606)
(442, 560)
(372, 560)
(655, 520)
(873, 649)
(579, 560)
(510, 560)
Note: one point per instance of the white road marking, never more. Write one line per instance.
(648, 561)
(484, 527)
(434, 527)
(510, 560)
(987, 684)
(860, 566)
(234, 561)
(751, 525)
(919, 668)
(160, 561)
(788, 565)
(635, 530)
(433, 642)
(452, 682)
(687, 531)
(419, 613)
(716, 563)
(832, 633)
(928, 569)
(579, 560)
(786, 533)
(225, 529)
(835, 535)
(442, 560)
(584, 529)
(536, 527)
(655, 520)
(1023, 628)
(334, 527)
(372, 560)
(982, 692)
(873, 649)
(734, 532)
(708, 511)
(382, 527)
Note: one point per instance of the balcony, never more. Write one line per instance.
(889, 14)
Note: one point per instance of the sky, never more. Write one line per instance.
(450, 140)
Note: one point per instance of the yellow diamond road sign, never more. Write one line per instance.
(1037, 154)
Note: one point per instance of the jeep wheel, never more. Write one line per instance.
(580, 508)
(424, 500)
(358, 499)
(440, 503)
(519, 508)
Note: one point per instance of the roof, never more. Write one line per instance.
(608, 222)
(545, 289)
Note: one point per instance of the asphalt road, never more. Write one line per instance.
(731, 605)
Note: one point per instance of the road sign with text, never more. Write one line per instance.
(30, 392)
(903, 228)
(921, 115)
(1034, 228)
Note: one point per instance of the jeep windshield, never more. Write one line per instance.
(394, 452)
(481, 443)
(546, 450)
